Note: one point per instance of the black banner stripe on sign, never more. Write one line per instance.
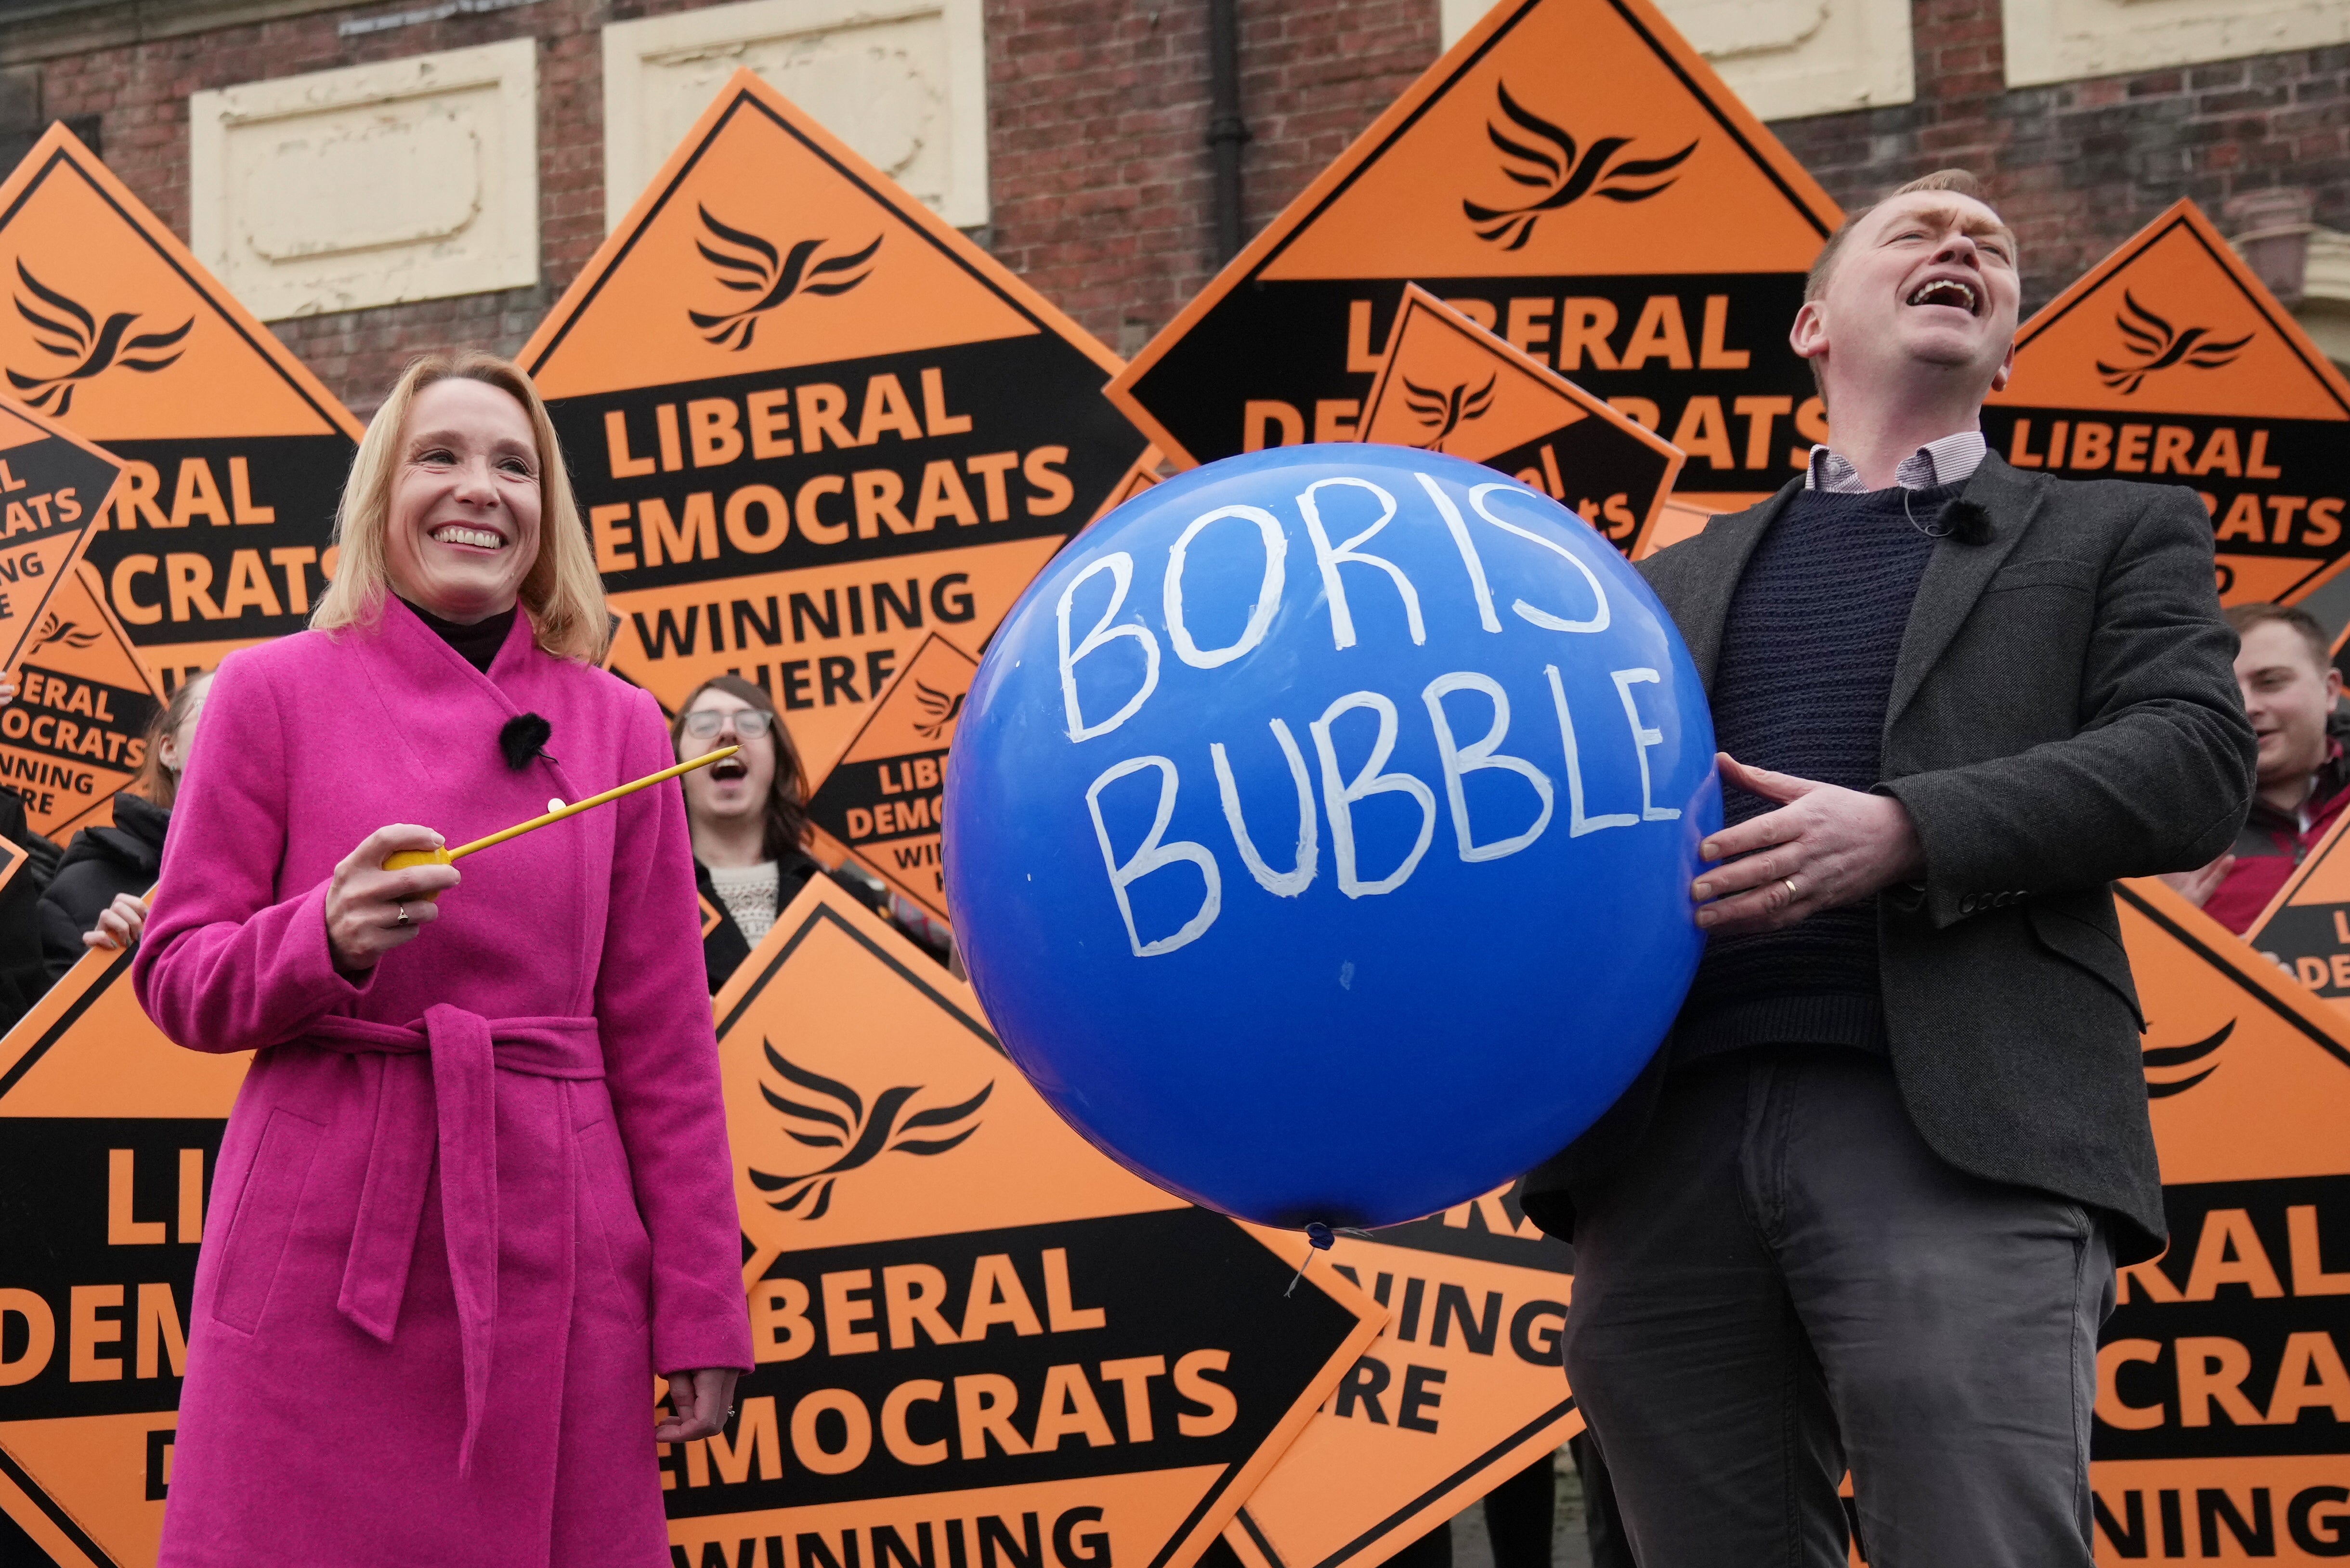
(783, 953)
(1199, 1511)
(1728, 126)
(1474, 1241)
(720, 482)
(1257, 1538)
(1490, 1456)
(58, 1517)
(124, 707)
(2205, 1370)
(2316, 1036)
(58, 1197)
(61, 158)
(1291, 340)
(871, 783)
(116, 968)
(245, 558)
(2302, 932)
(1081, 1302)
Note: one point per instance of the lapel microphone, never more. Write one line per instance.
(1966, 523)
(524, 737)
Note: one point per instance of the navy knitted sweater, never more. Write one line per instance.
(1801, 686)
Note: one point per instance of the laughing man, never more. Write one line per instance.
(1865, 1209)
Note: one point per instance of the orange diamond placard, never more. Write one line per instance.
(976, 1334)
(1450, 386)
(811, 424)
(235, 454)
(78, 730)
(110, 1135)
(1573, 177)
(2169, 363)
(883, 801)
(2222, 1396)
(1461, 1391)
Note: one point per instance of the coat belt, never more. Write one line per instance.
(452, 1088)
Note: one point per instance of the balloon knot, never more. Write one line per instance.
(1319, 1234)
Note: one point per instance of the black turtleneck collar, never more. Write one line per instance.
(477, 644)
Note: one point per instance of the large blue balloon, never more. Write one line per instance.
(1319, 831)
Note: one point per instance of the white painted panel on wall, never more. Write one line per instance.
(904, 82)
(2062, 40)
(1785, 57)
(410, 179)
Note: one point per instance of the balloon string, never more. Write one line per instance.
(1317, 1235)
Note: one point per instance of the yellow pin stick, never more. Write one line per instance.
(407, 858)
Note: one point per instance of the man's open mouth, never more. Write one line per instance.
(458, 533)
(730, 768)
(1947, 291)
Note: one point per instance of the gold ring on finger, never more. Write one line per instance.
(1789, 884)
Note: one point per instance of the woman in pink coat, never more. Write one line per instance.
(475, 1192)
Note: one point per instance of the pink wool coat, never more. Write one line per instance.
(468, 1207)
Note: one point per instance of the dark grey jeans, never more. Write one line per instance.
(1784, 1281)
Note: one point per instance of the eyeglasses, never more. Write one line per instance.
(749, 723)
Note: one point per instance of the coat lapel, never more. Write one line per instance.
(1956, 574)
(1702, 610)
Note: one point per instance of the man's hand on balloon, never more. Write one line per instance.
(1824, 846)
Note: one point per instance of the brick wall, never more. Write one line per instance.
(1098, 116)
(2078, 167)
(139, 93)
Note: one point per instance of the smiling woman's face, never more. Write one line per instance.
(464, 529)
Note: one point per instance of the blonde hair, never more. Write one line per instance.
(563, 595)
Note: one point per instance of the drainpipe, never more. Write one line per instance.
(1226, 130)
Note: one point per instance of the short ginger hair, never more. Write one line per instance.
(2241, 618)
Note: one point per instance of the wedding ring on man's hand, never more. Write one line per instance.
(1786, 882)
(402, 910)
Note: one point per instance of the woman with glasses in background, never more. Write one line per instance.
(749, 818)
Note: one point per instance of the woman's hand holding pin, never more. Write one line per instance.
(370, 910)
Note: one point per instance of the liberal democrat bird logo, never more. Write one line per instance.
(753, 266)
(940, 710)
(1447, 409)
(65, 327)
(2165, 1057)
(861, 1134)
(2159, 345)
(53, 629)
(1547, 160)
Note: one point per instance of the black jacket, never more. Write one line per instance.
(101, 862)
(2063, 713)
(22, 979)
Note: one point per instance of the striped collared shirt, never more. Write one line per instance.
(1945, 462)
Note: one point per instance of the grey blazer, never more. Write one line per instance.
(2063, 713)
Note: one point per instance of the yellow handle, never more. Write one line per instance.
(408, 858)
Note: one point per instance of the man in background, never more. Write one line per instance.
(2292, 694)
